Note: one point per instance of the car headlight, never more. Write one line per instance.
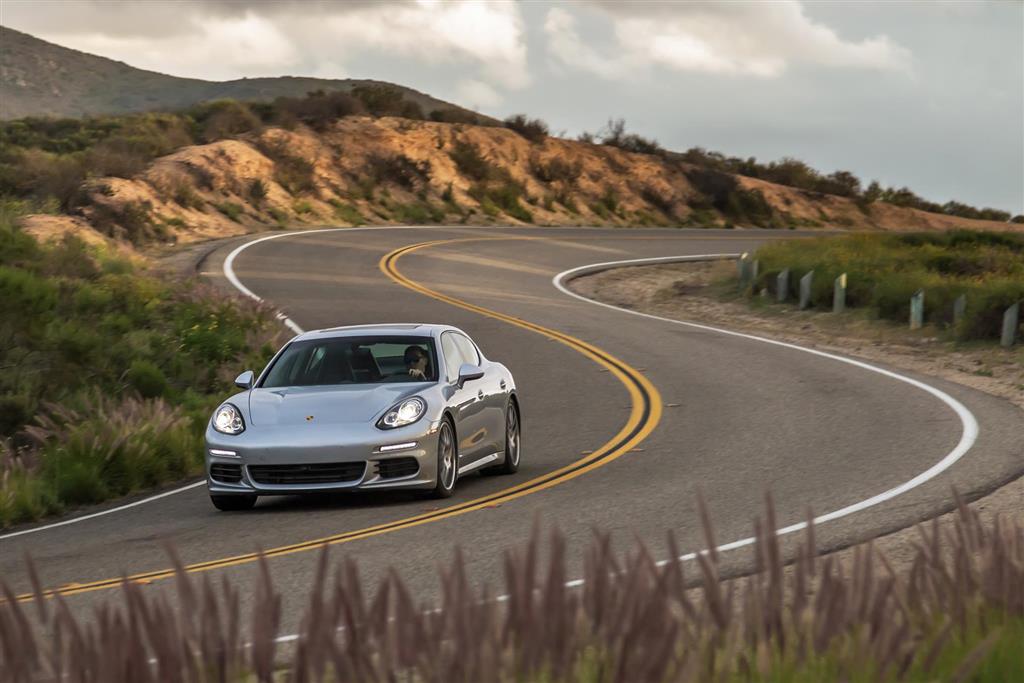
(404, 413)
(228, 420)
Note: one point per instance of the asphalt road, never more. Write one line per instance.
(729, 416)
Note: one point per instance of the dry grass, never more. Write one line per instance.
(958, 614)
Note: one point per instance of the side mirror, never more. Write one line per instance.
(469, 372)
(245, 380)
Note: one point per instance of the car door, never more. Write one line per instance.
(490, 391)
(467, 405)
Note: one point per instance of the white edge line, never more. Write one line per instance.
(75, 520)
(967, 438)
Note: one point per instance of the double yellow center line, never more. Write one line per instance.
(645, 413)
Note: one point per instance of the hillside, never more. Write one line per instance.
(362, 169)
(38, 78)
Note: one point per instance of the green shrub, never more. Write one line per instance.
(566, 199)
(534, 130)
(106, 447)
(418, 212)
(448, 195)
(318, 109)
(294, 174)
(131, 221)
(471, 162)
(556, 169)
(279, 216)
(399, 169)
(222, 119)
(385, 100)
(22, 291)
(346, 212)
(302, 207)
(663, 203)
(257, 191)
(146, 378)
(722, 192)
(884, 271)
(501, 198)
(453, 115)
(117, 156)
(614, 135)
(174, 221)
(186, 196)
(230, 209)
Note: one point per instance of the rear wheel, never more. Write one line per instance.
(447, 461)
(513, 442)
(232, 503)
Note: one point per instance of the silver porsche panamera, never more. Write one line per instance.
(364, 408)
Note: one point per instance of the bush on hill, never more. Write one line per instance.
(722, 192)
(614, 135)
(534, 130)
(795, 173)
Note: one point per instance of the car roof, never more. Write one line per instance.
(398, 329)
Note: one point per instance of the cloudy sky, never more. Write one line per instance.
(924, 94)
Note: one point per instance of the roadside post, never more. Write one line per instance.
(959, 309)
(805, 289)
(917, 310)
(1011, 320)
(742, 270)
(839, 294)
(782, 286)
(755, 268)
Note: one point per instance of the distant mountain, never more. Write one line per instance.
(38, 78)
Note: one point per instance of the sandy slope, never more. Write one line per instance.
(182, 191)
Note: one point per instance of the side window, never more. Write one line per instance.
(452, 357)
(466, 349)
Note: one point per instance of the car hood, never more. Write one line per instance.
(358, 403)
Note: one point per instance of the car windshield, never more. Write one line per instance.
(354, 360)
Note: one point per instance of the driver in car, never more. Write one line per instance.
(416, 362)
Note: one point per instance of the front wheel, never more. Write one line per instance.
(447, 461)
(513, 442)
(233, 503)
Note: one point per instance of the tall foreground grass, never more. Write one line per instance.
(885, 270)
(957, 614)
(108, 373)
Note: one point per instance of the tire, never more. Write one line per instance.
(513, 442)
(231, 503)
(447, 461)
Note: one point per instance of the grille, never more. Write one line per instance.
(397, 467)
(318, 473)
(227, 473)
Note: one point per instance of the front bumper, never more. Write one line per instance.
(289, 460)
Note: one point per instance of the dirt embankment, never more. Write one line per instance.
(392, 170)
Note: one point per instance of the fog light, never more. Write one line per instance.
(223, 454)
(396, 447)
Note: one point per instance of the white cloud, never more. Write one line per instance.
(569, 49)
(760, 39)
(219, 48)
(233, 38)
(477, 94)
(487, 34)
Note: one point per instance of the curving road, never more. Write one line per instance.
(625, 419)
